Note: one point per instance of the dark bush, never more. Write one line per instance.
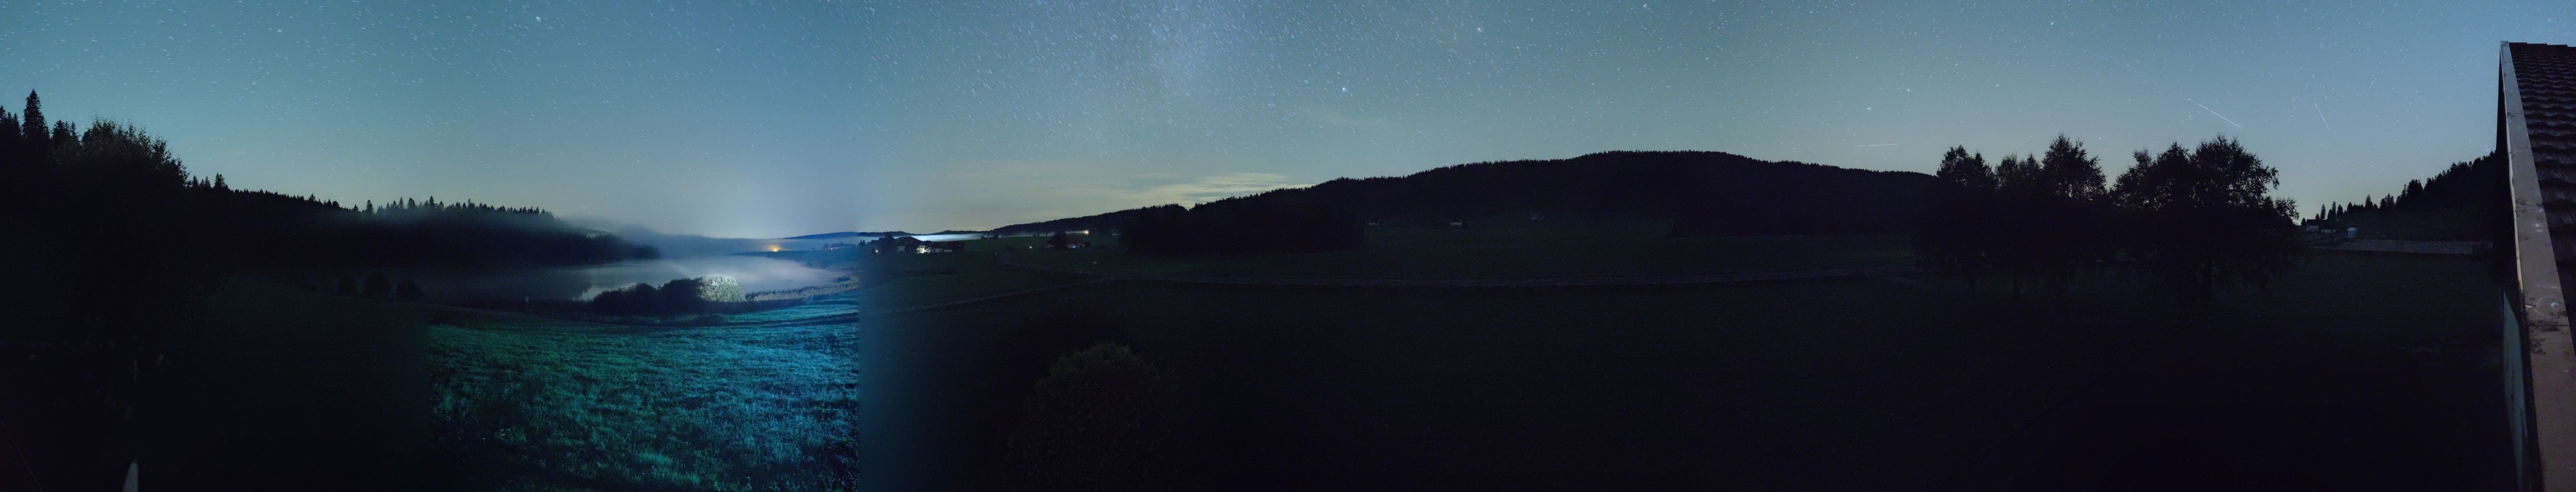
(682, 296)
(635, 299)
(1101, 420)
(676, 297)
(408, 291)
(378, 285)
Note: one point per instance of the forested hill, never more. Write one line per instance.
(1706, 193)
(264, 228)
(111, 194)
(2456, 205)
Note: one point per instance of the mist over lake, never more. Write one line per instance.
(754, 273)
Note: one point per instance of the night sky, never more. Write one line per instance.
(765, 119)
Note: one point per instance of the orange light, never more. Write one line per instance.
(773, 248)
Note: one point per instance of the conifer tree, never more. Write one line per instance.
(63, 134)
(33, 124)
(8, 131)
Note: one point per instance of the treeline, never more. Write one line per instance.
(1704, 193)
(2195, 219)
(2458, 204)
(112, 186)
(1280, 221)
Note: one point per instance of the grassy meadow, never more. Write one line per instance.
(541, 405)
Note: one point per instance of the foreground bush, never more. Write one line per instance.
(1100, 420)
(681, 296)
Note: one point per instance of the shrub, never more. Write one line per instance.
(378, 285)
(640, 298)
(1101, 420)
(408, 291)
(719, 289)
(680, 296)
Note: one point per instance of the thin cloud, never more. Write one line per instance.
(1216, 187)
(1037, 193)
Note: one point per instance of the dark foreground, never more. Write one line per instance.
(2357, 373)
(266, 388)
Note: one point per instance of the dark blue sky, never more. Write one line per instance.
(768, 119)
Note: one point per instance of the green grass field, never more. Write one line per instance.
(532, 404)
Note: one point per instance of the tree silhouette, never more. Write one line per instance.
(682, 296)
(1100, 420)
(2036, 218)
(64, 135)
(2022, 193)
(1957, 232)
(377, 285)
(407, 290)
(2210, 220)
(126, 243)
(33, 124)
(2068, 171)
(2455, 205)
(9, 137)
(2069, 228)
(2018, 175)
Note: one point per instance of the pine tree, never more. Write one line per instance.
(63, 134)
(33, 125)
(12, 156)
(9, 137)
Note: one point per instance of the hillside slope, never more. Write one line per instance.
(1704, 193)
